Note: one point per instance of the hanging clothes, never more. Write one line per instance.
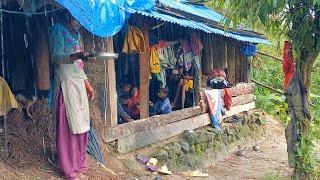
(214, 103)
(154, 60)
(288, 63)
(187, 54)
(227, 99)
(7, 99)
(196, 44)
(167, 56)
(134, 41)
(249, 50)
(299, 109)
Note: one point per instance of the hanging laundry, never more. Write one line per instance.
(249, 50)
(214, 101)
(134, 41)
(196, 44)
(7, 99)
(227, 99)
(187, 54)
(154, 60)
(288, 65)
(166, 55)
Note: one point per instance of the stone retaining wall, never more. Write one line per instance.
(202, 147)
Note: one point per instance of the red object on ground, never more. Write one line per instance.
(288, 65)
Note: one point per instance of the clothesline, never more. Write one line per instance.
(28, 13)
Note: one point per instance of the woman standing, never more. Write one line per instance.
(71, 100)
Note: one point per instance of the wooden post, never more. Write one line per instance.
(111, 93)
(144, 71)
(231, 61)
(101, 75)
(206, 61)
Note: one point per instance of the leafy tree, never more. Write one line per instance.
(299, 22)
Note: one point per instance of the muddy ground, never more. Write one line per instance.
(270, 162)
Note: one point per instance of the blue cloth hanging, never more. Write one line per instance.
(249, 50)
(103, 18)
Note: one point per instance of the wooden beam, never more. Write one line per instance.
(111, 101)
(144, 72)
(114, 133)
(132, 142)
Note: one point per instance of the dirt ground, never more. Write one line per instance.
(269, 162)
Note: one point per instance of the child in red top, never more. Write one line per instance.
(133, 103)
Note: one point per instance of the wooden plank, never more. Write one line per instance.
(133, 142)
(111, 101)
(114, 133)
(144, 72)
(241, 89)
(243, 99)
(136, 141)
(238, 109)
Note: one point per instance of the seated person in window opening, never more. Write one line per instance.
(162, 106)
(180, 83)
(124, 91)
(133, 103)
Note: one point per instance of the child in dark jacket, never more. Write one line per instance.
(163, 105)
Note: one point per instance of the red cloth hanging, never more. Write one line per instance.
(288, 65)
(227, 99)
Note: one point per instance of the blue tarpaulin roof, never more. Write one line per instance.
(103, 18)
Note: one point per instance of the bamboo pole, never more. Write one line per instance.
(273, 89)
(269, 55)
(268, 87)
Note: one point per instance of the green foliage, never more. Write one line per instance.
(298, 21)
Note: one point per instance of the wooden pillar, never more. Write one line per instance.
(144, 72)
(238, 64)
(101, 74)
(111, 93)
(206, 62)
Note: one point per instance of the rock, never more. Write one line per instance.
(240, 153)
(177, 148)
(185, 147)
(256, 148)
(204, 136)
(262, 120)
(157, 178)
(190, 138)
(162, 156)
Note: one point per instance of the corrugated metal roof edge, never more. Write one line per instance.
(203, 27)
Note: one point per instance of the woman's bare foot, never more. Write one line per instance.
(83, 176)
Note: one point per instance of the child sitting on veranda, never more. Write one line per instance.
(163, 105)
(133, 103)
